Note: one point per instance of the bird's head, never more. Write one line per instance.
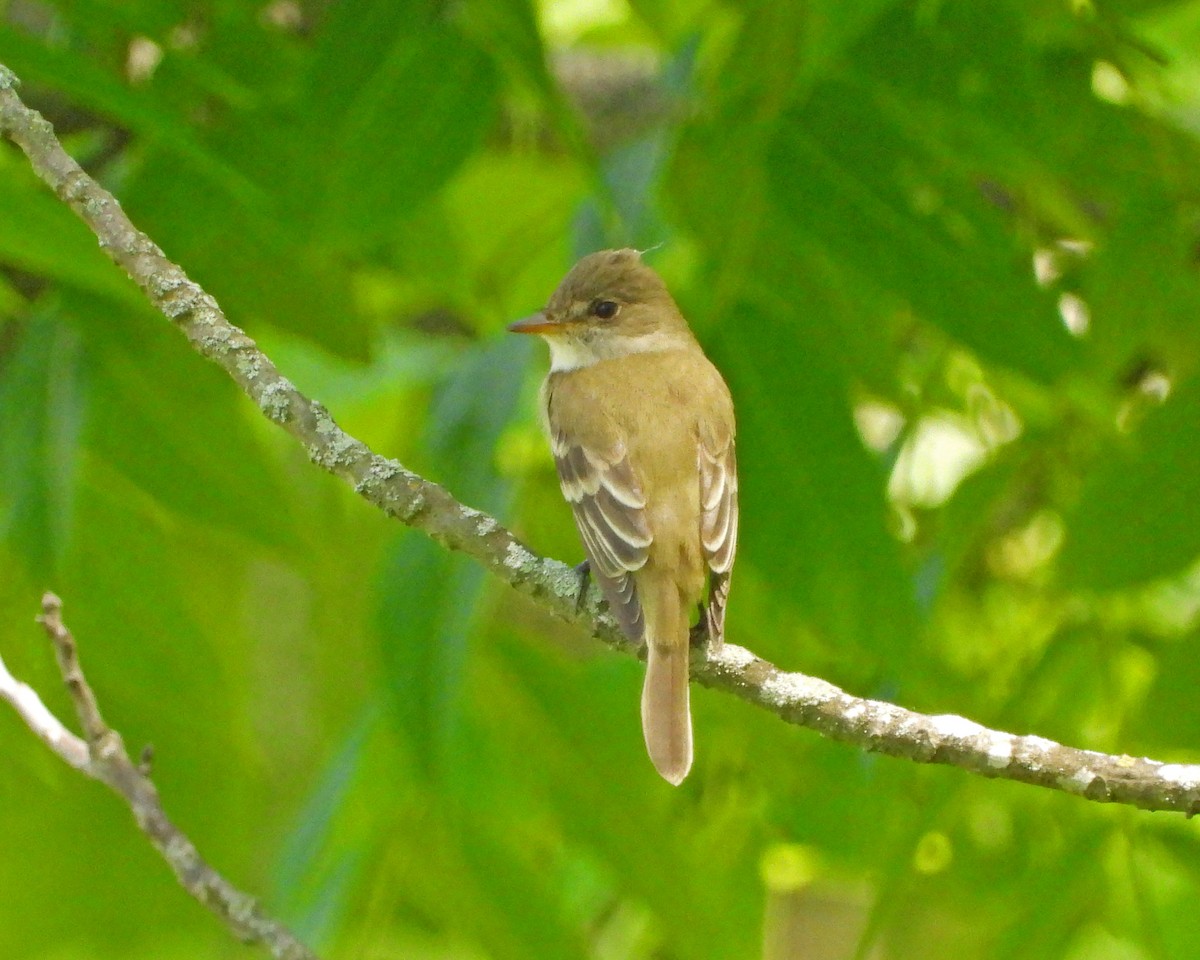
(610, 305)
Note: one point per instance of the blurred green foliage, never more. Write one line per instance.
(946, 254)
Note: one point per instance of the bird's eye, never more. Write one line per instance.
(604, 309)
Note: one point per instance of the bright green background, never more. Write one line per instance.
(407, 760)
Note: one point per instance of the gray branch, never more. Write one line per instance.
(409, 498)
(101, 755)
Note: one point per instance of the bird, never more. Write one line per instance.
(641, 428)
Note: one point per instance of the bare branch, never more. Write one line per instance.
(41, 721)
(402, 494)
(103, 757)
(952, 740)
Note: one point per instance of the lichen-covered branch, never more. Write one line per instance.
(101, 755)
(952, 740)
(868, 724)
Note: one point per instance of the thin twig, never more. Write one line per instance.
(409, 498)
(102, 756)
(41, 721)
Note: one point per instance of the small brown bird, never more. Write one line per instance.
(642, 431)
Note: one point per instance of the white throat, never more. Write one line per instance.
(570, 353)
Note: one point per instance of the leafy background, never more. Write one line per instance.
(945, 252)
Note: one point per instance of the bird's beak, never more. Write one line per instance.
(535, 323)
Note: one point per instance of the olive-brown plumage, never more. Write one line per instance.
(642, 431)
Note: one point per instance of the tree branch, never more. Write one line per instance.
(102, 756)
(402, 494)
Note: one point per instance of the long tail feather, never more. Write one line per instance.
(666, 714)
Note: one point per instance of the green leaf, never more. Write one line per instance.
(1168, 722)
(322, 858)
(429, 598)
(813, 510)
(1138, 514)
(508, 29)
(43, 407)
(137, 110)
(468, 415)
(395, 121)
(426, 607)
(1150, 247)
(40, 235)
(123, 552)
(245, 254)
(176, 428)
(838, 169)
(1164, 871)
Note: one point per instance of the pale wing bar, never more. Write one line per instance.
(609, 510)
(718, 527)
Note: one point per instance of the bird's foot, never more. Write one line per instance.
(585, 577)
(705, 636)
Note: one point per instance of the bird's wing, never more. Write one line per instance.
(718, 522)
(610, 512)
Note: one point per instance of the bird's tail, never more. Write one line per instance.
(666, 713)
